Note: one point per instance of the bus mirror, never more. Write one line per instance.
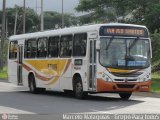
(97, 45)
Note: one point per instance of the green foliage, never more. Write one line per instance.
(155, 46)
(155, 82)
(101, 10)
(152, 18)
(53, 19)
(143, 11)
(3, 73)
(32, 19)
(156, 52)
(92, 5)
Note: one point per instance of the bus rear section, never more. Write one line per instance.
(123, 63)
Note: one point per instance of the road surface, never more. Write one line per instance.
(18, 100)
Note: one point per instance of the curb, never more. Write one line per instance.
(147, 94)
(4, 80)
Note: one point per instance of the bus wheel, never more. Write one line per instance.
(125, 95)
(32, 85)
(78, 89)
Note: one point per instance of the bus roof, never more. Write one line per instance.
(70, 30)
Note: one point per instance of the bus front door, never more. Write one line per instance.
(19, 65)
(92, 65)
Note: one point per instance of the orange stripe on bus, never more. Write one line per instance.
(68, 63)
(37, 75)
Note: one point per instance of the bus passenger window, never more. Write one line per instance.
(66, 46)
(31, 48)
(13, 50)
(79, 44)
(42, 47)
(53, 47)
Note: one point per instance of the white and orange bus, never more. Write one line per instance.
(114, 58)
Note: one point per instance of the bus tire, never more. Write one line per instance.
(125, 95)
(32, 85)
(78, 89)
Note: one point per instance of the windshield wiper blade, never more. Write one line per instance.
(134, 42)
(131, 46)
(107, 47)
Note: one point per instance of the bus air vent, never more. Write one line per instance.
(125, 85)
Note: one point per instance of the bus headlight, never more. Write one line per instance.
(144, 78)
(106, 78)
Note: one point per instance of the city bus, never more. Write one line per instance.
(99, 58)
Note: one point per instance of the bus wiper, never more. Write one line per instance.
(131, 46)
(134, 42)
(107, 47)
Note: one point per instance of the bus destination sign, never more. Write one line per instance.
(123, 31)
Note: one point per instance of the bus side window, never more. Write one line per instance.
(66, 46)
(79, 44)
(31, 48)
(13, 50)
(53, 47)
(42, 47)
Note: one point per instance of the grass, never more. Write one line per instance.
(3, 73)
(155, 86)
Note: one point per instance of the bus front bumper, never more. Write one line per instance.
(103, 86)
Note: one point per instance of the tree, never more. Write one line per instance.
(119, 8)
(152, 18)
(32, 20)
(101, 10)
(54, 19)
(155, 46)
(51, 19)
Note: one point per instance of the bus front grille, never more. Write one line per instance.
(128, 74)
(128, 80)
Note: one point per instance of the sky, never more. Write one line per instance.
(49, 5)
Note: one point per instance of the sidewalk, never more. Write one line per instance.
(147, 94)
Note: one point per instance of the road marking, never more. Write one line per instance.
(10, 110)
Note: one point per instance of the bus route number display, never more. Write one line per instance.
(122, 31)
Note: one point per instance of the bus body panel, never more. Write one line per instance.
(82, 71)
(12, 72)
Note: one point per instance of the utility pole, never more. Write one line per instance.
(62, 16)
(3, 20)
(6, 27)
(24, 17)
(36, 7)
(42, 19)
(15, 24)
(3, 33)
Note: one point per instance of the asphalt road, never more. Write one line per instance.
(18, 100)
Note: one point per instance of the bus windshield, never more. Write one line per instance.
(124, 53)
